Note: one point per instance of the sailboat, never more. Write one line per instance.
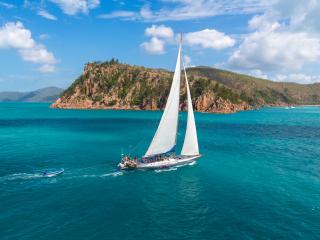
(162, 149)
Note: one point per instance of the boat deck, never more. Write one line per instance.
(168, 162)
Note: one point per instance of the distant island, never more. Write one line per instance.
(114, 85)
(48, 94)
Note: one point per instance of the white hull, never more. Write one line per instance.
(167, 163)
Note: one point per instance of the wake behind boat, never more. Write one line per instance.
(162, 150)
(53, 173)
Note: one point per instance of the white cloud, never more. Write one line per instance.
(209, 38)
(47, 68)
(126, 15)
(72, 7)
(16, 36)
(175, 10)
(160, 35)
(186, 60)
(258, 74)
(6, 5)
(159, 31)
(302, 15)
(275, 46)
(154, 46)
(37, 54)
(297, 77)
(145, 13)
(284, 42)
(266, 22)
(44, 36)
(47, 15)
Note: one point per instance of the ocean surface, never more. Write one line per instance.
(259, 177)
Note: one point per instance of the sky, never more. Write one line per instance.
(47, 42)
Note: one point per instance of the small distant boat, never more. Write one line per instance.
(162, 150)
(290, 107)
(53, 173)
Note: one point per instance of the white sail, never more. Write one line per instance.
(165, 138)
(190, 145)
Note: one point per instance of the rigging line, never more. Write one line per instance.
(155, 125)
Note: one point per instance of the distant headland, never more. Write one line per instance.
(48, 94)
(114, 85)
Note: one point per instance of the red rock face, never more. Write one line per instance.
(209, 103)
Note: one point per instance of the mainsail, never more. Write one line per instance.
(164, 140)
(190, 145)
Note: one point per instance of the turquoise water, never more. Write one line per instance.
(259, 177)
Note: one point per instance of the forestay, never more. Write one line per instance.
(190, 145)
(165, 138)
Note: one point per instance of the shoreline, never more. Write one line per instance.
(310, 105)
(160, 110)
(138, 109)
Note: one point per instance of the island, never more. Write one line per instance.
(115, 85)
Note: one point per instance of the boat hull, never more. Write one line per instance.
(167, 163)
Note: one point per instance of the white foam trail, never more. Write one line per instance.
(192, 163)
(32, 176)
(21, 176)
(166, 170)
(113, 174)
(89, 176)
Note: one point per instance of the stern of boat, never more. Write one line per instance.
(127, 163)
